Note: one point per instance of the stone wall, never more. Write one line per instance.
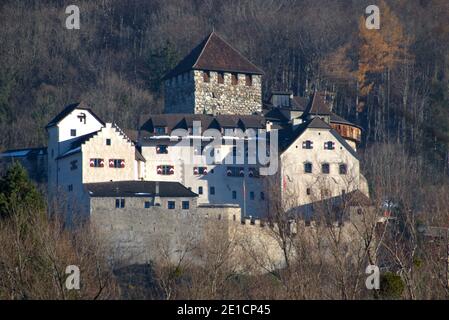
(179, 94)
(226, 98)
(135, 236)
(189, 93)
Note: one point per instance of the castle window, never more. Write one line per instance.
(307, 144)
(96, 163)
(206, 76)
(325, 168)
(161, 149)
(171, 205)
(197, 171)
(185, 205)
(74, 165)
(343, 168)
(73, 132)
(235, 171)
(165, 170)
(329, 145)
(307, 167)
(220, 78)
(108, 142)
(253, 173)
(308, 191)
(116, 163)
(234, 79)
(119, 203)
(200, 190)
(234, 195)
(251, 195)
(248, 79)
(212, 191)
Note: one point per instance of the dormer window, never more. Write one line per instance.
(159, 130)
(206, 76)
(249, 80)
(220, 77)
(73, 132)
(307, 144)
(329, 145)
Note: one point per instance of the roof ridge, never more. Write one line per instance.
(232, 47)
(202, 50)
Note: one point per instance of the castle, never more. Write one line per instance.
(100, 172)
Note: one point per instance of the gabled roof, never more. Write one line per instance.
(67, 110)
(288, 136)
(275, 114)
(318, 105)
(214, 54)
(75, 144)
(138, 189)
(299, 103)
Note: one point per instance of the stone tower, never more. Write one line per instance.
(214, 78)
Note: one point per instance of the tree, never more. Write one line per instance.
(18, 195)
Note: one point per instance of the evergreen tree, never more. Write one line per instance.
(18, 195)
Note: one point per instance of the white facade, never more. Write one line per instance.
(82, 149)
(300, 185)
(107, 154)
(215, 186)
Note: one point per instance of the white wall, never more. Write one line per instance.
(70, 122)
(296, 181)
(120, 148)
(216, 177)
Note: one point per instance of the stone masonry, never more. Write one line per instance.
(189, 93)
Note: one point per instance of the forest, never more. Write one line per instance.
(393, 81)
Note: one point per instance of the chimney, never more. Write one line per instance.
(156, 192)
(157, 198)
(269, 126)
